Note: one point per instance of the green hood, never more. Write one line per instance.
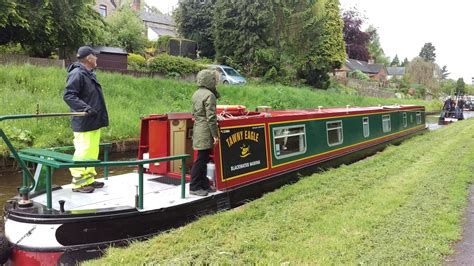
(208, 79)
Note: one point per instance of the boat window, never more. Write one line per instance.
(334, 132)
(411, 118)
(404, 119)
(418, 117)
(386, 125)
(289, 141)
(365, 125)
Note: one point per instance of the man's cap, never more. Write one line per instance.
(84, 51)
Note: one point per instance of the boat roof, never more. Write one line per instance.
(350, 109)
(320, 112)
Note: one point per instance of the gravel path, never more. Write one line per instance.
(464, 254)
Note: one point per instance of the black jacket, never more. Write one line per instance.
(83, 93)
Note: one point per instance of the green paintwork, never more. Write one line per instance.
(58, 156)
(316, 135)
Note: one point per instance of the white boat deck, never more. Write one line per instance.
(120, 191)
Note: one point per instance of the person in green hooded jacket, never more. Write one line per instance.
(204, 130)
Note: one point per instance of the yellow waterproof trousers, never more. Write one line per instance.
(86, 145)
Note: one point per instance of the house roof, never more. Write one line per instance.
(157, 18)
(109, 50)
(161, 31)
(396, 71)
(363, 66)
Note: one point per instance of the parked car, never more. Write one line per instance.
(228, 75)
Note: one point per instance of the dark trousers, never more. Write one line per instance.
(199, 171)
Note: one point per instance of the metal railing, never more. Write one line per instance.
(49, 164)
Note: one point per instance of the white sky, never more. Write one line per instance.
(165, 6)
(404, 26)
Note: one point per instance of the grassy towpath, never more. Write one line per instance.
(129, 98)
(401, 206)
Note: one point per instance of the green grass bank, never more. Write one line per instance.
(129, 98)
(401, 206)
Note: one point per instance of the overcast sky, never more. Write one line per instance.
(165, 6)
(405, 26)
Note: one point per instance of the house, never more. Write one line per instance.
(395, 72)
(158, 25)
(376, 72)
(107, 7)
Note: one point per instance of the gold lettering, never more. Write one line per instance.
(242, 135)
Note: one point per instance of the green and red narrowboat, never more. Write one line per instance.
(258, 151)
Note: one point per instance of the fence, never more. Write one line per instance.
(23, 59)
(44, 62)
(367, 88)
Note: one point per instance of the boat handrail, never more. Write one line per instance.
(24, 190)
(21, 158)
(52, 163)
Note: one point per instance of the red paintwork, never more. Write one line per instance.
(29, 258)
(158, 131)
(267, 118)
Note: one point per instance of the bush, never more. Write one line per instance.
(12, 48)
(136, 62)
(166, 64)
(337, 87)
(162, 43)
(359, 75)
(271, 75)
(265, 60)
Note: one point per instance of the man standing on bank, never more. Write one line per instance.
(204, 130)
(83, 93)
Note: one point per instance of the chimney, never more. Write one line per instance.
(136, 5)
(371, 61)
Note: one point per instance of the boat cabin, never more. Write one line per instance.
(258, 144)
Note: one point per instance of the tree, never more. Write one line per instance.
(329, 52)
(444, 72)
(375, 49)
(405, 62)
(356, 40)
(425, 73)
(43, 26)
(460, 86)
(195, 21)
(395, 61)
(126, 30)
(242, 27)
(9, 14)
(428, 52)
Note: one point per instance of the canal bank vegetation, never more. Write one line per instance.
(401, 206)
(128, 98)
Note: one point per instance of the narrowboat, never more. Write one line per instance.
(447, 117)
(258, 151)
